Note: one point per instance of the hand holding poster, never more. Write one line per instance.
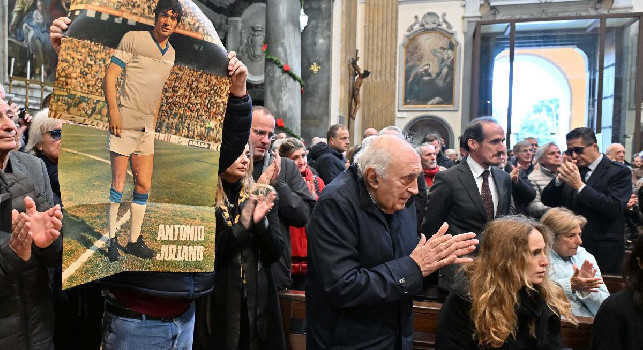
(149, 80)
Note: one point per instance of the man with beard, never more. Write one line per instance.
(430, 167)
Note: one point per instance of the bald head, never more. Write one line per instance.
(389, 167)
(369, 132)
(616, 152)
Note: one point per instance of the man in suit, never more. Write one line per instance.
(597, 188)
(471, 193)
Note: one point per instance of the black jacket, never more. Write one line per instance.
(456, 329)
(361, 280)
(26, 308)
(294, 207)
(327, 161)
(455, 199)
(191, 285)
(219, 314)
(602, 202)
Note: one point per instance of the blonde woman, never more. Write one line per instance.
(45, 135)
(572, 267)
(504, 298)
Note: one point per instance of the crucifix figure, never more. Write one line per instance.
(359, 79)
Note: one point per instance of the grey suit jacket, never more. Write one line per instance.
(454, 198)
(36, 170)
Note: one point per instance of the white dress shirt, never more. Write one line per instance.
(477, 170)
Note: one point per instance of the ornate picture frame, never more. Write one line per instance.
(429, 65)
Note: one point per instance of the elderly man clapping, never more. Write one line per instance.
(365, 260)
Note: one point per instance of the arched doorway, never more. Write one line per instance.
(429, 124)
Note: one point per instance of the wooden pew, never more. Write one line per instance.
(614, 283)
(425, 324)
(293, 306)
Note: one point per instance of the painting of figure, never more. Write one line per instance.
(429, 59)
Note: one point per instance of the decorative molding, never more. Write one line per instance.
(430, 20)
(506, 9)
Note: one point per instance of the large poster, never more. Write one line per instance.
(144, 87)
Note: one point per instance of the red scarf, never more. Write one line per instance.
(430, 174)
(310, 181)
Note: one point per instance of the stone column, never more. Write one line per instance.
(348, 45)
(316, 68)
(283, 94)
(4, 22)
(380, 58)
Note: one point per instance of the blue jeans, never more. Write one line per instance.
(120, 333)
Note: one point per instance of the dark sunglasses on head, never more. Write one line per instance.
(577, 150)
(55, 134)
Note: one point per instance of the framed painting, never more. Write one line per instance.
(428, 74)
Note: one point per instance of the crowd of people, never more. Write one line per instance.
(190, 107)
(362, 235)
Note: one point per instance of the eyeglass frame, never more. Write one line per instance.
(262, 133)
(55, 134)
(577, 150)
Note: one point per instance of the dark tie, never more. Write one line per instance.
(583, 173)
(486, 195)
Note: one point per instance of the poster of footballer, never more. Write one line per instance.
(143, 85)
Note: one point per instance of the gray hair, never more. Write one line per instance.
(420, 149)
(373, 155)
(521, 144)
(391, 128)
(40, 124)
(540, 152)
(449, 151)
(276, 143)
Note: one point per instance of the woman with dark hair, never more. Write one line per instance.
(295, 150)
(505, 299)
(242, 312)
(619, 322)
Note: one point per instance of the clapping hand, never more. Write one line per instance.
(41, 228)
(443, 249)
(568, 172)
(515, 171)
(583, 279)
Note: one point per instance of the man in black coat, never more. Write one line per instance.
(597, 188)
(328, 159)
(458, 194)
(364, 260)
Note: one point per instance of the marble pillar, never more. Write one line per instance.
(316, 69)
(380, 58)
(4, 23)
(283, 94)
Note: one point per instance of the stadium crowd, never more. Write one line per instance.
(346, 230)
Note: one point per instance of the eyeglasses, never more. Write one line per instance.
(263, 133)
(526, 150)
(55, 134)
(577, 150)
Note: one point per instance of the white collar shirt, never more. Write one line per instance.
(476, 170)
